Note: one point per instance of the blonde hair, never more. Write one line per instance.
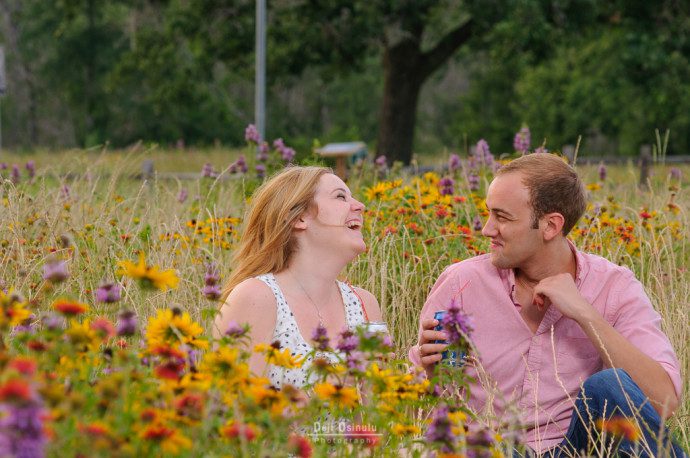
(267, 241)
(553, 185)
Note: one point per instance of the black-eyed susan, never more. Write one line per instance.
(338, 395)
(170, 440)
(173, 328)
(82, 336)
(400, 429)
(377, 192)
(13, 311)
(282, 358)
(149, 276)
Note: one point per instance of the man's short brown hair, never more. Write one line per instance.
(553, 185)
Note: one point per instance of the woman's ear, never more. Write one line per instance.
(554, 225)
(300, 224)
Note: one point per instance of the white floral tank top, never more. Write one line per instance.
(288, 334)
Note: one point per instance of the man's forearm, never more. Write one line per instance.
(617, 352)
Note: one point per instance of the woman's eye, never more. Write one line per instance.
(342, 196)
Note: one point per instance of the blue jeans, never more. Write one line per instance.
(608, 393)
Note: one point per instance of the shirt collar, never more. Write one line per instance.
(581, 269)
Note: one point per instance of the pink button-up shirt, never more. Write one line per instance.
(541, 373)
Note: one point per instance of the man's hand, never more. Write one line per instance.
(561, 291)
(430, 352)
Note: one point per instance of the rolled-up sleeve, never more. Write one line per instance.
(637, 321)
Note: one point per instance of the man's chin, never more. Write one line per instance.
(500, 262)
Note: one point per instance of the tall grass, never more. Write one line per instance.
(106, 217)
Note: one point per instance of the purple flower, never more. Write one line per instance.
(287, 154)
(251, 134)
(454, 163)
(262, 153)
(211, 277)
(477, 223)
(65, 192)
(55, 271)
(473, 182)
(356, 361)
(126, 323)
(278, 144)
(3, 165)
(348, 341)
(541, 149)
(522, 140)
(602, 172)
(446, 186)
(15, 175)
(481, 438)
(53, 322)
(241, 164)
(381, 161)
(182, 195)
(457, 325)
(675, 173)
(31, 168)
(440, 429)
(260, 170)
(482, 153)
(212, 292)
(207, 171)
(108, 293)
(320, 337)
(21, 429)
(235, 330)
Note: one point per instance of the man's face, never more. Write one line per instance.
(514, 241)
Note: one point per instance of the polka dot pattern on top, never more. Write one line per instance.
(288, 334)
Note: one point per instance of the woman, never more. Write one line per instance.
(302, 228)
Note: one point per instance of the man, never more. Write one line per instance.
(548, 318)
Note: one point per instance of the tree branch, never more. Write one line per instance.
(434, 58)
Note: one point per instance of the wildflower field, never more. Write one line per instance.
(109, 284)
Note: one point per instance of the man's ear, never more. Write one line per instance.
(554, 225)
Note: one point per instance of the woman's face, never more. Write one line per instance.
(338, 219)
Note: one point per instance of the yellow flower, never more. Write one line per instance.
(82, 335)
(268, 398)
(377, 192)
(341, 396)
(13, 310)
(174, 328)
(149, 276)
(593, 186)
(275, 356)
(405, 430)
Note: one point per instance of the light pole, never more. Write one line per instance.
(260, 77)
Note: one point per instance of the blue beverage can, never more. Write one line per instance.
(448, 357)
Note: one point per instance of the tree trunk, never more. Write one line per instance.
(403, 80)
(405, 68)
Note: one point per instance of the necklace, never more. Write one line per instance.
(316, 307)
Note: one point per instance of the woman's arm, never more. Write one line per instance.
(251, 302)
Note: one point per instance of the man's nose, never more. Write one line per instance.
(489, 230)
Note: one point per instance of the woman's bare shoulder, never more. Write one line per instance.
(251, 291)
(371, 304)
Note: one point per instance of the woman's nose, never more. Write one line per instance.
(357, 205)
